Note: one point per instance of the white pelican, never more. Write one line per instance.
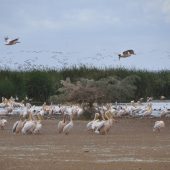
(126, 53)
(158, 125)
(38, 127)
(29, 126)
(98, 124)
(3, 123)
(162, 97)
(164, 112)
(62, 124)
(148, 110)
(18, 125)
(149, 99)
(107, 124)
(69, 126)
(33, 125)
(11, 42)
(89, 125)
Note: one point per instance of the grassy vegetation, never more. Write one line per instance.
(41, 84)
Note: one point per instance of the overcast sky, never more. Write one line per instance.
(58, 33)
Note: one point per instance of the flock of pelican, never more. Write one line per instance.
(101, 126)
(31, 117)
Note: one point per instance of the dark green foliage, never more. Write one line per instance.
(39, 86)
(7, 88)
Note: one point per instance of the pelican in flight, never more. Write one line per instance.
(11, 42)
(126, 53)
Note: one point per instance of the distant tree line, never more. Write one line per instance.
(82, 84)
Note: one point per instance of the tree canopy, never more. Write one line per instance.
(89, 91)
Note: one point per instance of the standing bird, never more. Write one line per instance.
(90, 124)
(18, 125)
(62, 124)
(29, 125)
(3, 123)
(38, 126)
(11, 42)
(107, 124)
(69, 126)
(158, 125)
(126, 53)
(162, 97)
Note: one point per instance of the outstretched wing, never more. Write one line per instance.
(125, 53)
(131, 52)
(14, 40)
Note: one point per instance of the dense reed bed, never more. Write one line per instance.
(40, 84)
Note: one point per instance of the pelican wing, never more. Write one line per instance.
(28, 127)
(131, 51)
(14, 40)
(67, 128)
(15, 126)
(126, 52)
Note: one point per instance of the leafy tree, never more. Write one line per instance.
(103, 90)
(39, 86)
(7, 88)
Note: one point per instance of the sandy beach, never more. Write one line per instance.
(130, 145)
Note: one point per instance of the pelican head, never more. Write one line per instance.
(6, 39)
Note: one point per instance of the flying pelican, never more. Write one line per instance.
(69, 126)
(126, 53)
(11, 42)
(158, 125)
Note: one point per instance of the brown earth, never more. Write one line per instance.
(130, 145)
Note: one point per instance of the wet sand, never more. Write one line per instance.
(130, 145)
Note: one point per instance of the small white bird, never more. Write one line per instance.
(11, 42)
(158, 125)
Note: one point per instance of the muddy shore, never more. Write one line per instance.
(130, 145)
